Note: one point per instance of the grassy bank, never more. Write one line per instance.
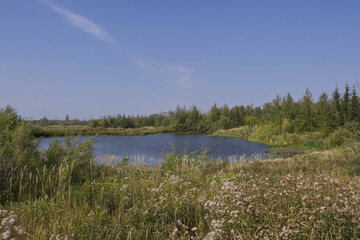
(267, 134)
(312, 196)
(81, 130)
(289, 143)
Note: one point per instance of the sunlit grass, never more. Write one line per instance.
(81, 130)
(311, 196)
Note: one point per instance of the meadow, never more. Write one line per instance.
(310, 196)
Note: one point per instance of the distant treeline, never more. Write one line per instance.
(324, 114)
(44, 122)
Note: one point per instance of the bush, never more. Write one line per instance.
(339, 137)
(77, 157)
(18, 147)
(25, 172)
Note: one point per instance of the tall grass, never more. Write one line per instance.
(267, 134)
(313, 196)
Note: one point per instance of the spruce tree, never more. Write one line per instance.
(336, 108)
(194, 118)
(354, 106)
(288, 107)
(276, 115)
(324, 113)
(224, 121)
(306, 115)
(235, 117)
(345, 105)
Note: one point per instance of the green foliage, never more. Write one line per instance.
(22, 164)
(18, 147)
(354, 106)
(287, 126)
(181, 162)
(76, 156)
(306, 119)
(125, 162)
(283, 113)
(336, 105)
(288, 107)
(225, 121)
(313, 144)
(339, 137)
(345, 104)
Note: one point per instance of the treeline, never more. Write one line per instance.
(285, 114)
(324, 114)
(44, 122)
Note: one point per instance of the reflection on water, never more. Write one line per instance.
(151, 149)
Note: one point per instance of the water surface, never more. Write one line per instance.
(151, 149)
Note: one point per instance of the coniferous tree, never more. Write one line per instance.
(235, 117)
(324, 113)
(354, 106)
(214, 117)
(288, 107)
(345, 105)
(336, 108)
(306, 115)
(224, 121)
(194, 119)
(276, 113)
(179, 121)
(214, 114)
(267, 114)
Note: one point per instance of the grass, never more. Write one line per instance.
(267, 134)
(311, 196)
(79, 130)
(286, 144)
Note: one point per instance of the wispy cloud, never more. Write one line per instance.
(180, 69)
(83, 23)
(145, 66)
(178, 72)
(185, 82)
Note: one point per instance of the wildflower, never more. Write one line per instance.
(6, 235)
(176, 230)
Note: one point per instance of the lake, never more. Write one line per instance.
(151, 149)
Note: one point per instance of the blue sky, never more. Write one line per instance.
(93, 58)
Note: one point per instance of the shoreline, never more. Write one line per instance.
(276, 150)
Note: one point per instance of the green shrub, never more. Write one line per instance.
(77, 157)
(18, 147)
(25, 172)
(339, 137)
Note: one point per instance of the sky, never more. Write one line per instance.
(87, 59)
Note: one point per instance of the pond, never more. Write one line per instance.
(151, 149)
